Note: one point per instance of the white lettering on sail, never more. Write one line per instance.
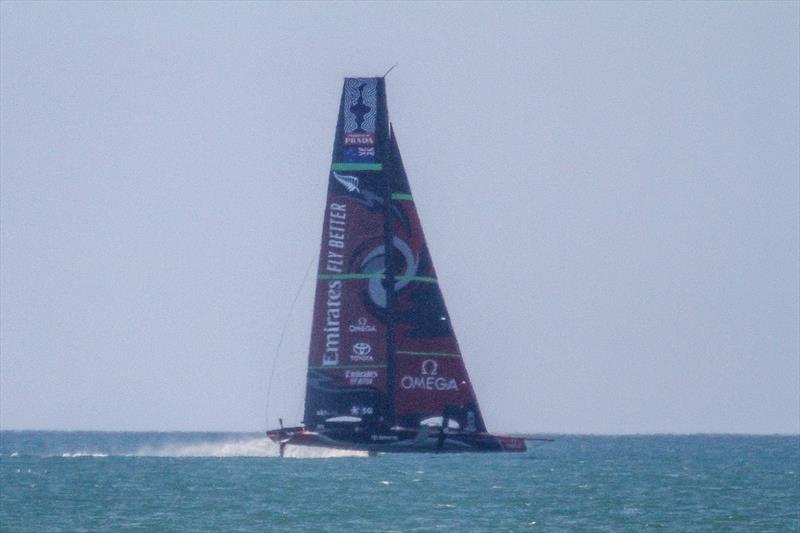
(428, 379)
(360, 377)
(362, 326)
(332, 323)
(337, 224)
(334, 262)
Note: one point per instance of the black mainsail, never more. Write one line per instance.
(384, 363)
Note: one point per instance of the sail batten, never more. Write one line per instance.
(357, 166)
(429, 354)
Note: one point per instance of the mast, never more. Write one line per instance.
(389, 279)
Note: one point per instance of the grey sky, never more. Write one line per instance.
(610, 194)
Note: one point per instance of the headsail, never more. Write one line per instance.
(431, 377)
(382, 347)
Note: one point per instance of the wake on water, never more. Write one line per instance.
(233, 447)
(253, 447)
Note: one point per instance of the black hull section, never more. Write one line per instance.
(398, 440)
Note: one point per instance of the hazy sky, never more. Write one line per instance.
(610, 195)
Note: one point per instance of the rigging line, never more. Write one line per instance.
(280, 340)
(390, 69)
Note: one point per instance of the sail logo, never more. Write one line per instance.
(361, 348)
(349, 182)
(359, 139)
(331, 328)
(362, 326)
(361, 352)
(375, 261)
(359, 154)
(331, 325)
(428, 379)
(360, 111)
(360, 377)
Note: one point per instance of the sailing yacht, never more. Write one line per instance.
(385, 372)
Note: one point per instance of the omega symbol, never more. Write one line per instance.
(429, 367)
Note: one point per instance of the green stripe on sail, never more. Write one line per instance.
(357, 275)
(336, 367)
(423, 279)
(402, 196)
(430, 354)
(357, 166)
(377, 275)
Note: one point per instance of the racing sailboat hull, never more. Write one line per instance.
(400, 441)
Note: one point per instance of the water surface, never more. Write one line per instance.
(87, 481)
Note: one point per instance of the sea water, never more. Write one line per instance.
(85, 481)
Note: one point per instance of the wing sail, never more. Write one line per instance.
(348, 353)
(382, 347)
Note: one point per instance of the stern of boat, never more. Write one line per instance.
(512, 444)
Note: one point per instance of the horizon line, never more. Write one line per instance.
(531, 434)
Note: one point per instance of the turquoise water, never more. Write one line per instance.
(54, 481)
